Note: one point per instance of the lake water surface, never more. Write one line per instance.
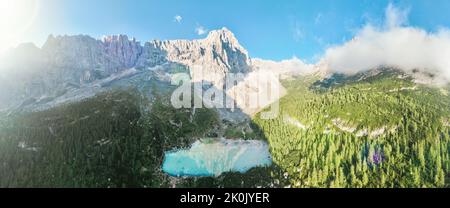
(212, 157)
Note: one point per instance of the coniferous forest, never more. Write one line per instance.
(115, 139)
(381, 131)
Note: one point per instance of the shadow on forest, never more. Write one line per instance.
(116, 139)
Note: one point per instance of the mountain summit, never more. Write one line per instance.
(76, 60)
(220, 50)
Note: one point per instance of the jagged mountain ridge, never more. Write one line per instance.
(76, 67)
(219, 50)
(76, 61)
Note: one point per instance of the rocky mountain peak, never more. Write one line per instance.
(222, 35)
(80, 60)
(65, 41)
(123, 49)
(218, 53)
(225, 37)
(226, 47)
(117, 38)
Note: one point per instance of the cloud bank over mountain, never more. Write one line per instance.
(393, 44)
(288, 66)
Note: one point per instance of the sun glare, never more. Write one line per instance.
(16, 16)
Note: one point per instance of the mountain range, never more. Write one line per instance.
(82, 112)
(70, 68)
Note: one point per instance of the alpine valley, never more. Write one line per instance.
(83, 112)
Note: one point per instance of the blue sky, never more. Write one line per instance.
(269, 29)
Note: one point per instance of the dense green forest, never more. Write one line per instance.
(381, 131)
(116, 139)
(376, 131)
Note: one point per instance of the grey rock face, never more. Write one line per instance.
(125, 51)
(218, 54)
(73, 62)
(112, 54)
(220, 51)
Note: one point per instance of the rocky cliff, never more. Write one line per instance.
(73, 62)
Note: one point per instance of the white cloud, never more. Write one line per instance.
(318, 18)
(297, 33)
(396, 17)
(319, 40)
(200, 30)
(177, 18)
(396, 45)
(293, 65)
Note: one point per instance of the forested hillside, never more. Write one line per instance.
(377, 131)
(115, 139)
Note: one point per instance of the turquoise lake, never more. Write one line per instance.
(212, 157)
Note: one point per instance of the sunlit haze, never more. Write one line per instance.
(16, 16)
